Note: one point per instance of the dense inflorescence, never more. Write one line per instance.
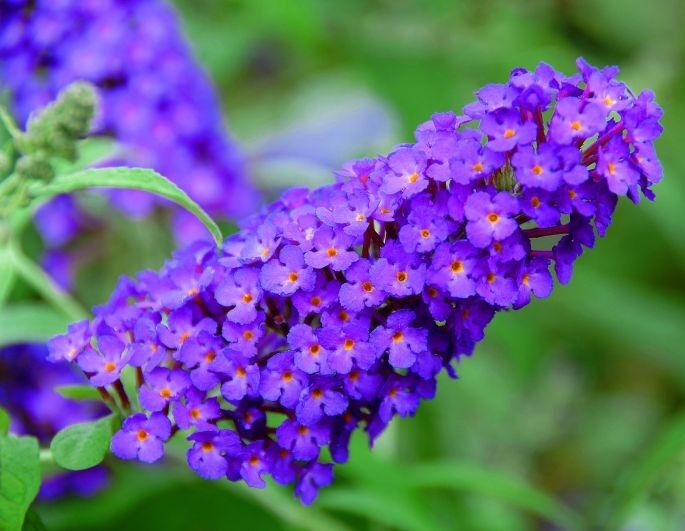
(156, 100)
(27, 381)
(335, 309)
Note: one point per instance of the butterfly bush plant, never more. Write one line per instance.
(336, 309)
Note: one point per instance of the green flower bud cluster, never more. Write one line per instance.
(52, 132)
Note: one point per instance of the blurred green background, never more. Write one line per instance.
(571, 414)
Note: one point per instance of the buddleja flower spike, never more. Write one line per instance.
(335, 309)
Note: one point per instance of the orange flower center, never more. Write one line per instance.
(493, 218)
(491, 277)
(508, 133)
(317, 393)
(538, 170)
(210, 356)
(192, 292)
(142, 435)
(332, 251)
(477, 167)
(240, 372)
(425, 233)
(397, 337)
(166, 393)
(110, 366)
(457, 266)
(287, 376)
(292, 277)
(413, 177)
(348, 344)
(367, 286)
(576, 125)
(195, 413)
(184, 337)
(535, 201)
(248, 335)
(207, 446)
(247, 298)
(316, 300)
(402, 276)
(314, 350)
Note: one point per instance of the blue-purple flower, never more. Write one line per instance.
(336, 309)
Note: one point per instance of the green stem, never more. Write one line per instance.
(9, 123)
(44, 285)
(46, 457)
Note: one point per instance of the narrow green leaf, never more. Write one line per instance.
(640, 476)
(474, 479)
(19, 479)
(131, 179)
(79, 393)
(42, 283)
(83, 445)
(29, 322)
(7, 275)
(384, 508)
(4, 422)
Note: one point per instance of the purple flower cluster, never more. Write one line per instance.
(155, 99)
(335, 309)
(27, 380)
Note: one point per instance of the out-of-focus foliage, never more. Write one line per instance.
(573, 408)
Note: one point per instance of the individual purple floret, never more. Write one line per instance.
(157, 102)
(142, 438)
(312, 323)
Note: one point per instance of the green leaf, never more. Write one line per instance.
(19, 479)
(634, 485)
(6, 274)
(473, 479)
(79, 393)
(83, 445)
(131, 179)
(43, 284)
(4, 422)
(383, 507)
(29, 322)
